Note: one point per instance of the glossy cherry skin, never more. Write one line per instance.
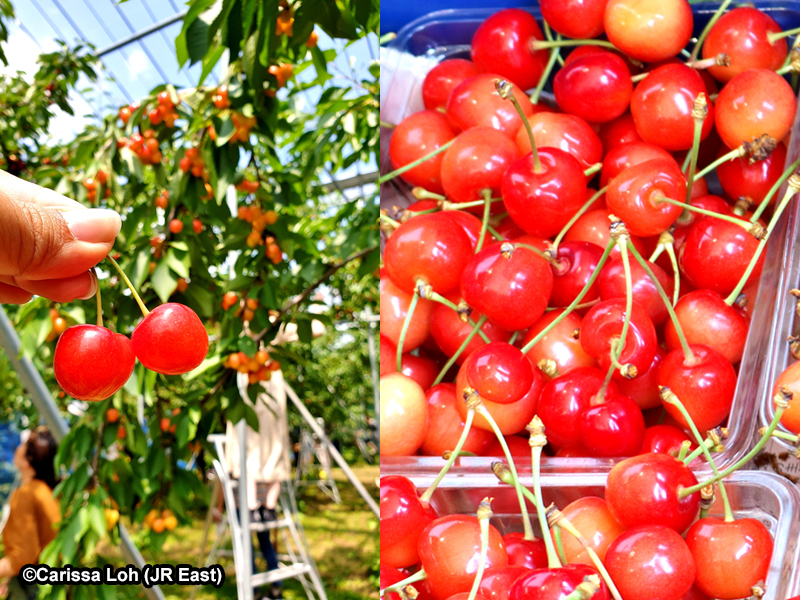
(92, 363)
(741, 33)
(621, 130)
(634, 196)
(790, 379)
(416, 136)
(518, 446)
(685, 221)
(649, 31)
(419, 368)
(613, 428)
(664, 439)
(404, 415)
(442, 79)
(706, 319)
(531, 554)
(450, 331)
(403, 517)
(644, 389)
(569, 133)
(596, 87)
(561, 344)
(511, 288)
(716, 545)
(643, 490)
(755, 102)
(603, 323)
(450, 550)
(170, 340)
(625, 156)
(389, 576)
(651, 562)
(565, 399)
(502, 45)
(577, 19)
(468, 222)
(590, 516)
(661, 106)
(575, 265)
(593, 227)
(510, 418)
(429, 247)
(476, 103)
(477, 161)
(611, 284)
(541, 202)
(554, 584)
(394, 308)
(739, 178)
(497, 581)
(716, 253)
(499, 372)
(445, 424)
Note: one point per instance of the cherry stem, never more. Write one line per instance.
(687, 352)
(593, 169)
(537, 165)
(657, 252)
(551, 62)
(545, 45)
(420, 193)
(385, 39)
(574, 303)
(462, 205)
(442, 300)
(774, 190)
(99, 300)
(676, 273)
(549, 35)
(706, 29)
(622, 243)
(774, 36)
(589, 304)
(127, 281)
(387, 125)
(682, 493)
(535, 250)
(404, 331)
(526, 520)
(393, 222)
(487, 207)
(684, 450)
(427, 494)
(639, 77)
(494, 233)
(417, 213)
(559, 544)
(784, 435)
(537, 442)
(416, 163)
(581, 211)
(658, 198)
(669, 397)
(699, 114)
(688, 458)
(513, 338)
(794, 187)
(452, 360)
(720, 59)
(733, 154)
(396, 587)
(484, 514)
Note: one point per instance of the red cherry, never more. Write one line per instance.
(613, 428)
(429, 247)
(511, 288)
(664, 439)
(170, 340)
(752, 103)
(577, 19)
(590, 516)
(628, 155)
(569, 133)
(468, 222)
(394, 308)
(476, 103)
(611, 284)
(450, 331)
(662, 107)
(651, 562)
(476, 161)
(416, 136)
(531, 554)
(445, 424)
(403, 517)
(643, 490)
(404, 415)
(542, 200)
(649, 31)
(554, 584)
(176, 226)
(705, 385)
(502, 44)
(197, 225)
(739, 178)
(420, 369)
(442, 79)
(644, 389)
(92, 363)
(716, 545)
(593, 227)
(390, 576)
(575, 264)
(603, 324)
(561, 344)
(741, 33)
(621, 130)
(518, 446)
(706, 319)
(790, 379)
(689, 218)
(497, 581)
(498, 372)
(596, 87)
(450, 550)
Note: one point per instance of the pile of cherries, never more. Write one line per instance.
(566, 262)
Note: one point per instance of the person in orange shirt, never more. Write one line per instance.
(34, 513)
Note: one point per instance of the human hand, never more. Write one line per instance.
(49, 243)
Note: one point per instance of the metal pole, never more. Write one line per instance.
(334, 452)
(375, 373)
(244, 513)
(40, 395)
(142, 33)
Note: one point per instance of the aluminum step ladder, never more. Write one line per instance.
(312, 447)
(294, 563)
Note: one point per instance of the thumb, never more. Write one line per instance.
(44, 235)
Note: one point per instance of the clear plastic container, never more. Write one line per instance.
(766, 497)
(447, 34)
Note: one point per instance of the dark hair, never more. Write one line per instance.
(40, 452)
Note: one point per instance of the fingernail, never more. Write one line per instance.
(92, 289)
(93, 225)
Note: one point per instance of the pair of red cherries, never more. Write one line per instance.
(91, 363)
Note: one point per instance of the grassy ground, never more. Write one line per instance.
(343, 540)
